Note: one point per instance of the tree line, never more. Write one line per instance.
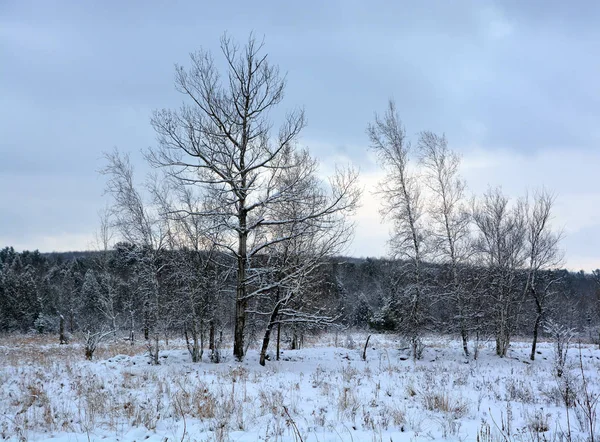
(93, 291)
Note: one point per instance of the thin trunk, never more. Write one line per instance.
(464, 334)
(201, 341)
(155, 359)
(536, 326)
(267, 337)
(131, 331)
(278, 339)
(155, 287)
(146, 326)
(364, 355)
(196, 345)
(187, 341)
(211, 335)
(476, 350)
(503, 328)
(61, 330)
(465, 340)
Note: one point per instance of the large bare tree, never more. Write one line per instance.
(222, 140)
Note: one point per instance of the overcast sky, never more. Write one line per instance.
(513, 85)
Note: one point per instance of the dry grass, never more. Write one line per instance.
(443, 402)
(49, 388)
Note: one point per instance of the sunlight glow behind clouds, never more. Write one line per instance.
(564, 172)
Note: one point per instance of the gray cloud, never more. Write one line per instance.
(78, 78)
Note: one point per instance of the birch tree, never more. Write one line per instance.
(449, 233)
(109, 282)
(402, 204)
(501, 249)
(142, 227)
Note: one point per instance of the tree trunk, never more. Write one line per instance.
(192, 347)
(538, 320)
(155, 359)
(267, 337)
(464, 334)
(61, 330)
(465, 340)
(240, 325)
(241, 303)
(364, 355)
(278, 339)
(71, 322)
(201, 341)
(476, 349)
(187, 341)
(131, 331)
(502, 344)
(536, 326)
(211, 335)
(265, 344)
(502, 329)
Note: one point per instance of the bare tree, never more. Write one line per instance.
(91, 340)
(109, 282)
(501, 248)
(197, 273)
(320, 229)
(402, 204)
(221, 140)
(450, 228)
(543, 254)
(143, 227)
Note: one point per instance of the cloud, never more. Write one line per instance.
(566, 172)
(372, 233)
(82, 77)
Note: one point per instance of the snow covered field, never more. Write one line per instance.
(320, 393)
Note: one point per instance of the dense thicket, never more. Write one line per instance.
(37, 289)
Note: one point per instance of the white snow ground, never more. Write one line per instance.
(320, 393)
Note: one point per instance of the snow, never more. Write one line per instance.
(320, 393)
